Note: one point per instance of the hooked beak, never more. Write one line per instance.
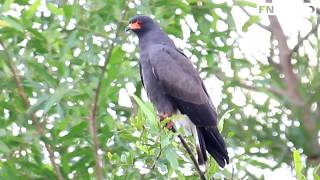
(133, 26)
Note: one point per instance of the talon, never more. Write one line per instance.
(163, 116)
(169, 125)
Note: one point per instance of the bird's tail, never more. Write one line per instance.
(201, 151)
(211, 140)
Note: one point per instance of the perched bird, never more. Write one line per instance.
(174, 86)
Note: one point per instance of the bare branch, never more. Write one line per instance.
(248, 14)
(291, 81)
(274, 90)
(26, 102)
(290, 78)
(158, 156)
(312, 31)
(93, 113)
(185, 145)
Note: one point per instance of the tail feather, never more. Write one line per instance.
(201, 151)
(215, 145)
(202, 145)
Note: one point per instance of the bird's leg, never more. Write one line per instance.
(165, 115)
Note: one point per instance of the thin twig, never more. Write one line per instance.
(157, 158)
(26, 102)
(274, 90)
(232, 173)
(248, 14)
(93, 113)
(312, 31)
(185, 145)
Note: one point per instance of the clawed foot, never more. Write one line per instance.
(163, 116)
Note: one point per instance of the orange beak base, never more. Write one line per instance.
(134, 25)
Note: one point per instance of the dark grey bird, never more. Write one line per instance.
(174, 86)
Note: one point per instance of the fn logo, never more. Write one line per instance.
(271, 9)
(266, 9)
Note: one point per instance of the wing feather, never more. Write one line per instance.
(141, 77)
(176, 73)
(182, 82)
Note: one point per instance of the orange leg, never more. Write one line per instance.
(163, 116)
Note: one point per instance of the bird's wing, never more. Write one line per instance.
(140, 69)
(182, 83)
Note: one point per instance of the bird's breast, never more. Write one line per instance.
(155, 91)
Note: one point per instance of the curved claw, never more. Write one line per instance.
(165, 115)
(170, 125)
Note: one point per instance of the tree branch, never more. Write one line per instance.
(93, 113)
(248, 14)
(313, 30)
(158, 156)
(290, 78)
(291, 81)
(274, 90)
(185, 145)
(26, 102)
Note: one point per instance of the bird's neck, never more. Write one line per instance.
(154, 37)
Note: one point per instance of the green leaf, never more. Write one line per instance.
(67, 11)
(245, 3)
(298, 165)
(213, 168)
(117, 56)
(41, 71)
(55, 10)
(32, 9)
(56, 97)
(4, 148)
(7, 4)
(259, 164)
(162, 167)
(11, 22)
(316, 172)
(40, 102)
(172, 157)
(221, 121)
(266, 70)
(252, 20)
(9, 171)
(78, 129)
(151, 118)
(3, 24)
(165, 140)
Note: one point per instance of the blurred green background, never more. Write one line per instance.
(68, 73)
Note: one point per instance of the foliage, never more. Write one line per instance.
(55, 56)
(298, 166)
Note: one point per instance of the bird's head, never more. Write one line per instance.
(141, 24)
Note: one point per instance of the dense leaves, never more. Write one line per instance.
(57, 55)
